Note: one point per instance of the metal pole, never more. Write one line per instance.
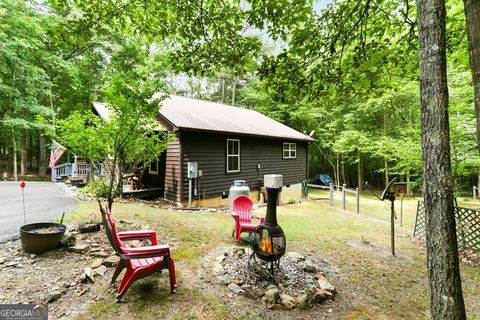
(357, 194)
(474, 193)
(190, 192)
(343, 196)
(331, 195)
(24, 216)
(401, 209)
(392, 231)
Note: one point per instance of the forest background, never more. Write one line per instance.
(346, 71)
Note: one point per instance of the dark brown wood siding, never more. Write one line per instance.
(172, 170)
(209, 150)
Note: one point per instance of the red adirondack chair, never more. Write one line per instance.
(139, 262)
(242, 213)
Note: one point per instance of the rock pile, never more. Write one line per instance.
(300, 281)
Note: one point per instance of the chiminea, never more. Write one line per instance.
(270, 242)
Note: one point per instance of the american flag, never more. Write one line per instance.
(55, 153)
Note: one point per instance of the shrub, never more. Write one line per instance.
(96, 186)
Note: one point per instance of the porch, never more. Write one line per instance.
(76, 170)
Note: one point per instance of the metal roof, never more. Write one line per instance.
(194, 114)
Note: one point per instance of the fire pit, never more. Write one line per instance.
(269, 243)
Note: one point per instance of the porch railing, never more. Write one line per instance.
(66, 170)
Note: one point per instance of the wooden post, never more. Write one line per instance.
(474, 193)
(331, 195)
(392, 225)
(401, 209)
(343, 196)
(357, 194)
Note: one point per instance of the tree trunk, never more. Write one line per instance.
(234, 90)
(472, 15)
(42, 154)
(29, 149)
(409, 188)
(14, 155)
(23, 152)
(337, 178)
(446, 299)
(387, 179)
(359, 170)
(223, 90)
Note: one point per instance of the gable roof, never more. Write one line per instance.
(194, 114)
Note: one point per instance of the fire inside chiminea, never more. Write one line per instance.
(270, 242)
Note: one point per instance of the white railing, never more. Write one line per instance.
(61, 171)
(65, 170)
(83, 170)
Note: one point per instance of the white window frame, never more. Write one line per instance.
(233, 155)
(291, 149)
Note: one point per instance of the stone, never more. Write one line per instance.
(249, 293)
(222, 279)
(33, 256)
(101, 270)
(235, 288)
(135, 243)
(274, 306)
(125, 221)
(305, 301)
(271, 295)
(53, 296)
(100, 254)
(79, 248)
(2, 260)
(82, 278)
(89, 273)
(325, 284)
(272, 286)
(96, 263)
(220, 259)
(330, 295)
(288, 302)
(68, 239)
(111, 261)
(218, 269)
(309, 266)
(320, 295)
(12, 264)
(295, 256)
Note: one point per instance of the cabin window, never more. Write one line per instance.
(153, 167)
(289, 150)
(233, 155)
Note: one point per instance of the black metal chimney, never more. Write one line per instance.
(271, 217)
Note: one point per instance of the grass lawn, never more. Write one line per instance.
(371, 283)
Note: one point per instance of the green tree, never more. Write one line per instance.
(131, 136)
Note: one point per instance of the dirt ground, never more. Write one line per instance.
(371, 284)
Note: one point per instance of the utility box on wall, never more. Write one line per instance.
(192, 170)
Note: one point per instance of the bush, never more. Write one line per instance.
(96, 186)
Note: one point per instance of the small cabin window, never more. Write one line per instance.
(233, 155)
(289, 150)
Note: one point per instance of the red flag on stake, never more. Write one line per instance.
(55, 153)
